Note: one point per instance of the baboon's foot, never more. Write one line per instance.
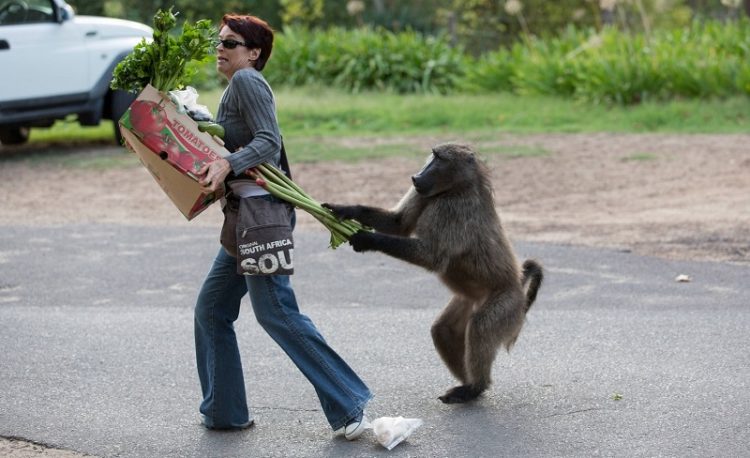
(460, 394)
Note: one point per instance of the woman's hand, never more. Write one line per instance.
(211, 175)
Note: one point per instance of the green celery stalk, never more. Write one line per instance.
(281, 186)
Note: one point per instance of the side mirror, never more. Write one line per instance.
(63, 12)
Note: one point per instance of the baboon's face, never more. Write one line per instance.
(449, 167)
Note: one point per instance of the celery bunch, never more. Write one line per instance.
(162, 61)
(281, 186)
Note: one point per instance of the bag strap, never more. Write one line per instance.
(284, 161)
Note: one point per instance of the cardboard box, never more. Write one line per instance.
(172, 149)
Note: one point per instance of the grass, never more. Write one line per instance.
(69, 130)
(323, 148)
(640, 157)
(313, 149)
(324, 124)
(325, 112)
(309, 112)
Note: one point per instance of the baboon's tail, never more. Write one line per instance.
(532, 280)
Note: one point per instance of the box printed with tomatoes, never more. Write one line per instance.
(172, 148)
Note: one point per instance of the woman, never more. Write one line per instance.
(248, 114)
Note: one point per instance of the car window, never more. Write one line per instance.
(14, 12)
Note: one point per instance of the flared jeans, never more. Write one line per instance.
(342, 394)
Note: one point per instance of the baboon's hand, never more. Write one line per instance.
(363, 241)
(343, 211)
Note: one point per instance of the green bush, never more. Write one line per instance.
(710, 59)
(206, 77)
(365, 59)
(704, 60)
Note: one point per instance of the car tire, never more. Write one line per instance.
(120, 101)
(13, 135)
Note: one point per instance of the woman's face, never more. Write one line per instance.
(228, 61)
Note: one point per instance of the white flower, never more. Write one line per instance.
(513, 7)
(355, 7)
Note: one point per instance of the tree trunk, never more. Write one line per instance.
(747, 6)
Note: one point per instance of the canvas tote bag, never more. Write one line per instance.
(258, 232)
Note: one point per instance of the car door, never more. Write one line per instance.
(40, 57)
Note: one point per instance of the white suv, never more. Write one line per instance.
(54, 64)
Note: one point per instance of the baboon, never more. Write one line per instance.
(447, 224)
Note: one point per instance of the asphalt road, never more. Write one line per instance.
(616, 359)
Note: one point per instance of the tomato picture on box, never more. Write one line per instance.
(164, 139)
(174, 136)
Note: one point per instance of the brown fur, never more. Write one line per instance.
(447, 223)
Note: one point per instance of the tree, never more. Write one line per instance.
(486, 24)
(304, 12)
(189, 10)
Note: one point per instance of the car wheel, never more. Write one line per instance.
(121, 100)
(13, 135)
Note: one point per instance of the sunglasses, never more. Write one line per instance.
(230, 44)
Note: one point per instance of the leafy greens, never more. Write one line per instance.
(162, 62)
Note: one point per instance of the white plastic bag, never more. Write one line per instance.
(391, 431)
(187, 102)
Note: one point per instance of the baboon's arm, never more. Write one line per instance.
(406, 249)
(401, 220)
(381, 220)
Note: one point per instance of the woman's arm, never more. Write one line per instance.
(256, 104)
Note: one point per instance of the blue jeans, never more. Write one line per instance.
(342, 394)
